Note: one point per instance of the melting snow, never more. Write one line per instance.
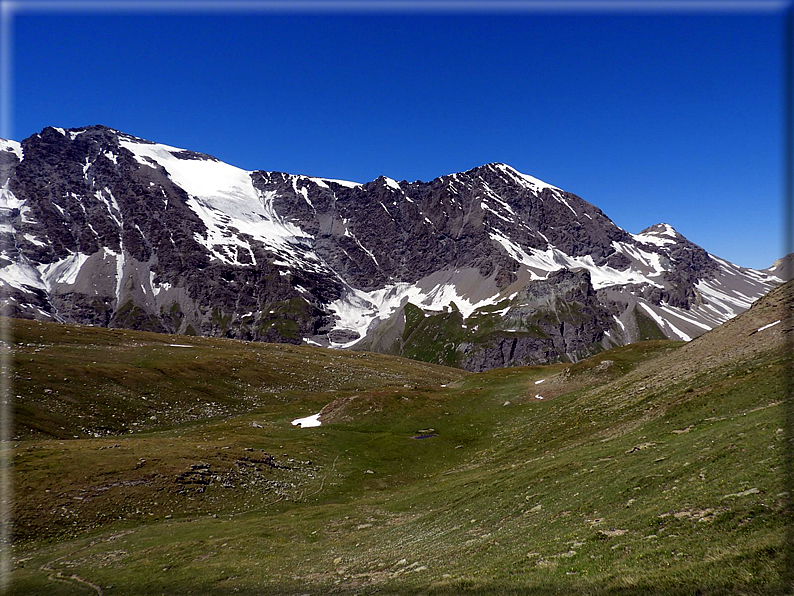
(679, 312)
(307, 422)
(651, 262)
(106, 196)
(358, 309)
(13, 146)
(19, 275)
(33, 240)
(728, 304)
(223, 196)
(7, 198)
(322, 182)
(361, 246)
(527, 181)
(120, 259)
(768, 326)
(564, 202)
(485, 207)
(392, 183)
(64, 271)
(664, 323)
(648, 239)
(157, 288)
(44, 276)
(553, 259)
(730, 292)
(660, 237)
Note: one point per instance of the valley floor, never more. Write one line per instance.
(655, 468)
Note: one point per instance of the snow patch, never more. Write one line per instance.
(660, 235)
(106, 196)
(679, 312)
(224, 197)
(324, 181)
(362, 247)
(525, 180)
(553, 259)
(484, 206)
(12, 146)
(767, 326)
(648, 239)
(62, 272)
(663, 323)
(308, 421)
(33, 240)
(7, 198)
(392, 183)
(157, 288)
(728, 305)
(357, 309)
(19, 275)
(120, 259)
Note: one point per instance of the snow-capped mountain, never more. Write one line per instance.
(483, 268)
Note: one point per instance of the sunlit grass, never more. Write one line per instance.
(648, 469)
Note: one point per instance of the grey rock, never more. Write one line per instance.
(113, 240)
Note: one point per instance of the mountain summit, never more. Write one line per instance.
(482, 268)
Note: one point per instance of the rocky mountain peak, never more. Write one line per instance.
(662, 231)
(105, 228)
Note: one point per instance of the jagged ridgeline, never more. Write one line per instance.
(484, 268)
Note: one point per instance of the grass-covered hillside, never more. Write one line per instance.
(143, 467)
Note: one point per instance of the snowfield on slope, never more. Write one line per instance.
(236, 214)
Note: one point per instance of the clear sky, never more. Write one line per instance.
(653, 117)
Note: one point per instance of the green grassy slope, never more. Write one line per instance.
(651, 468)
(72, 381)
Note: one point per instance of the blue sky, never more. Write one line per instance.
(653, 117)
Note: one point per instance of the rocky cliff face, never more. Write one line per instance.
(103, 228)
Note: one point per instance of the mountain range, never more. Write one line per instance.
(478, 269)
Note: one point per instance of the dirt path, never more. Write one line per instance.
(55, 576)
